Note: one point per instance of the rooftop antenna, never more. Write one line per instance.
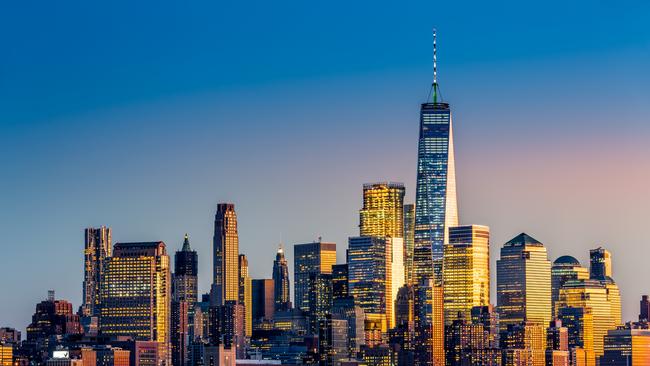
(434, 86)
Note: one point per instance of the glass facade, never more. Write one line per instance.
(409, 226)
(281, 282)
(564, 269)
(435, 197)
(628, 347)
(98, 247)
(523, 282)
(383, 210)
(310, 258)
(466, 274)
(225, 254)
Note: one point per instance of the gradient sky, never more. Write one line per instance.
(143, 116)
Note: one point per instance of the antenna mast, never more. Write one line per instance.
(434, 86)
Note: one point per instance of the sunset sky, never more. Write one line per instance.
(143, 117)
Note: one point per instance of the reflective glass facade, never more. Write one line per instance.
(435, 197)
(98, 247)
(409, 227)
(310, 258)
(383, 210)
(226, 254)
(466, 274)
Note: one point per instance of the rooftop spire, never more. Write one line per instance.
(434, 85)
(186, 243)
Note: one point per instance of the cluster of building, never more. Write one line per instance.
(414, 290)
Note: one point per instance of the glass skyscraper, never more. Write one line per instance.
(435, 198)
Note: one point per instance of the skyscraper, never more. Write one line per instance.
(310, 258)
(245, 294)
(579, 322)
(185, 284)
(524, 282)
(644, 309)
(340, 281)
(466, 274)
(600, 264)
(409, 227)
(281, 282)
(262, 304)
(184, 295)
(429, 324)
(435, 197)
(97, 248)
(226, 254)
(136, 294)
(564, 269)
(383, 210)
(627, 347)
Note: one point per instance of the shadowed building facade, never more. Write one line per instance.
(98, 247)
(310, 258)
(281, 282)
(225, 255)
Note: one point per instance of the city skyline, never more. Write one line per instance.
(65, 239)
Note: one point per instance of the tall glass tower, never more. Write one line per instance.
(435, 198)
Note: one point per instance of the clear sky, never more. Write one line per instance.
(142, 116)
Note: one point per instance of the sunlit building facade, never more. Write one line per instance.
(593, 295)
(600, 264)
(310, 258)
(383, 210)
(579, 322)
(136, 294)
(565, 268)
(435, 198)
(98, 247)
(524, 282)
(429, 324)
(245, 294)
(6, 355)
(466, 270)
(409, 227)
(225, 254)
(628, 347)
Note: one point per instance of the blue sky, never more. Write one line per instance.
(142, 116)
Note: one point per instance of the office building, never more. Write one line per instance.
(262, 300)
(97, 248)
(340, 281)
(565, 268)
(320, 300)
(225, 254)
(245, 294)
(579, 322)
(6, 355)
(466, 274)
(626, 347)
(185, 283)
(310, 258)
(136, 294)
(524, 344)
(429, 324)
(524, 282)
(600, 264)
(409, 242)
(281, 282)
(383, 210)
(644, 312)
(557, 344)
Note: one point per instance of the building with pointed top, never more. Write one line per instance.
(281, 282)
(184, 295)
(225, 286)
(435, 198)
(523, 282)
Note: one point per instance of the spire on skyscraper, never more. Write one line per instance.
(186, 243)
(434, 86)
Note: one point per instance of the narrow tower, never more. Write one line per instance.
(281, 282)
(226, 255)
(435, 198)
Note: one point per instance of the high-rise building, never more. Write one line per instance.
(557, 344)
(320, 300)
(579, 322)
(6, 355)
(524, 282)
(409, 227)
(435, 198)
(310, 258)
(471, 343)
(627, 347)
(185, 284)
(184, 295)
(565, 268)
(429, 324)
(262, 301)
(226, 254)
(136, 294)
(383, 210)
(644, 312)
(375, 274)
(340, 281)
(600, 264)
(245, 294)
(524, 344)
(53, 317)
(593, 295)
(97, 249)
(466, 274)
(281, 282)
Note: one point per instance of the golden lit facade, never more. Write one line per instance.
(383, 210)
(310, 258)
(429, 324)
(225, 254)
(524, 282)
(245, 294)
(98, 247)
(409, 242)
(6, 354)
(136, 294)
(564, 269)
(614, 299)
(579, 322)
(630, 347)
(593, 295)
(466, 270)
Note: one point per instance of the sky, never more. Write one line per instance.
(143, 116)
